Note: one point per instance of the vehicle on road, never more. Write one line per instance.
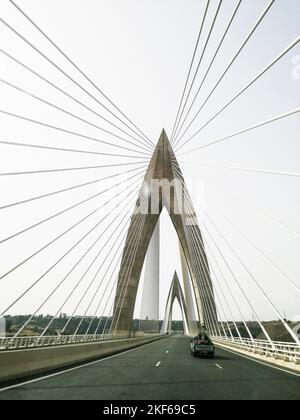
(202, 346)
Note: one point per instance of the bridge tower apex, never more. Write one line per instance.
(165, 169)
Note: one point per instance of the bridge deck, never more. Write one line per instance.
(137, 374)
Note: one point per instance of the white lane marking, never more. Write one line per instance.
(219, 367)
(157, 364)
(261, 363)
(71, 369)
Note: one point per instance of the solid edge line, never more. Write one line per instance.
(260, 362)
(52, 375)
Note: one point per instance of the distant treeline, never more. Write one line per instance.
(98, 325)
(77, 324)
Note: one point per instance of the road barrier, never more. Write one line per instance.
(15, 343)
(278, 351)
(47, 355)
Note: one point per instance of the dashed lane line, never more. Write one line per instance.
(64, 371)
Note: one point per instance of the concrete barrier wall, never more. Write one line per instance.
(22, 364)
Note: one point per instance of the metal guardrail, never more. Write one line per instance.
(15, 343)
(279, 350)
(19, 343)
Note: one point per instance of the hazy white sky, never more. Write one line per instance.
(138, 52)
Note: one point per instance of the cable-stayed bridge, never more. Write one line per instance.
(88, 253)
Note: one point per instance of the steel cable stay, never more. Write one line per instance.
(257, 211)
(198, 276)
(244, 89)
(263, 254)
(222, 319)
(190, 69)
(82, 168)
(271, 219)
(59, 260)
(245, 296)
(65, 131)
(58, 237)
(217, 296)
(257, 248)
(133, 235)
(57, 287)
(203, 273)
(73, 187)
(227, 288)
(61, 282)
(83, 74)
(114, 302)
(135, 228)
(245, 42)
(54, 265)
(275, 266)
(61, 149)
(290, 331)
(36, 49)
(199, 65)
(208, 308)
(53, 216)
(68, 95)
(118, 260)
(209, 68)
(70, 114)
(239, 285)
(287, 327)
(123, 291)
(103, 294)
(244, 131)
(86, 291)
(126, 283)
(207, 268)
(220, 304)
(109, 316)
(106, 288)
(194, 244)
(84, 316)
(241, 169)
(266, 334)
(100, 284)
(98, 294)
(128, 204)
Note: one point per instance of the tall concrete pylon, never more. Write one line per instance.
(175, 293)
(150, 296)
(161, 189)
(191, 316)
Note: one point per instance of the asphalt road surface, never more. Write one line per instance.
(164, 370)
